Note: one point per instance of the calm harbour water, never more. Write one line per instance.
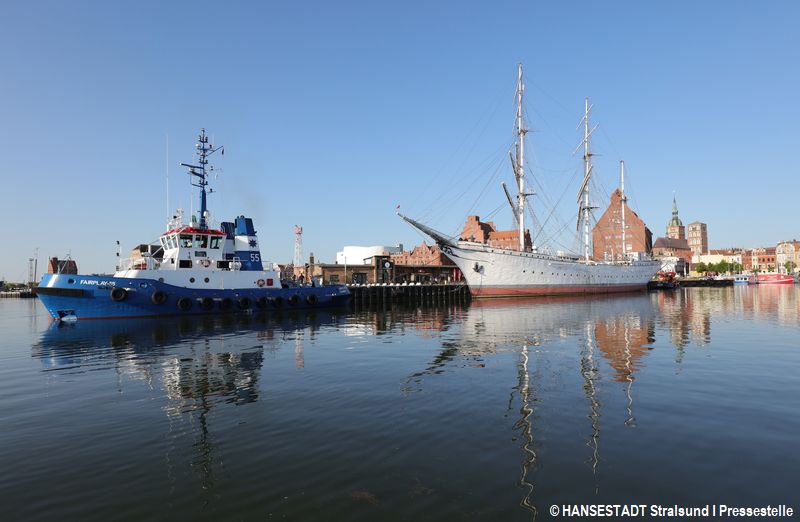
(492, 411)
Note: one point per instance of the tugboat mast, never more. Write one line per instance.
(201, 172)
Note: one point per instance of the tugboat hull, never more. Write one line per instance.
(81, 297)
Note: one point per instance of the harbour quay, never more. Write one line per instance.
(18, 294)
(409, 293)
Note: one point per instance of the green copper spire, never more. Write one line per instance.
(675, 221)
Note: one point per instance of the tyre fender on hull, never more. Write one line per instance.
(245, 303)
(225, 303)
(312, 299)
(294, 300)
(206, 303)
(119, 294)
(184, 304)
(159, 297)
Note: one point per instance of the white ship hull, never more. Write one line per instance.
(495, 272)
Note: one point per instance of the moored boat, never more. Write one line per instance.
(194, 269)
(744, 279)
(774, 279)
(492, 271)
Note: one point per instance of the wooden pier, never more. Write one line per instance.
(427, 294)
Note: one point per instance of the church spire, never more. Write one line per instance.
(675, 221)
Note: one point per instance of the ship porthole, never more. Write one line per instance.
(142, 285)
(206, 280)
(191, 279)
(71, 281)
(160, 279)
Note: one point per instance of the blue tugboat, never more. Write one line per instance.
(194, 269)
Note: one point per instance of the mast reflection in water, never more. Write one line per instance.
(493, 411)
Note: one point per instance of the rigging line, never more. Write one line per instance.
(486, 186)
(495, 211)
(438, 212)
(557, 233)
(630, 189)
(550, 128)
(466, 138)
(561, 197)
(570, 113)
(610, 141)
(478, 171)
(554, 239)
(497, 161)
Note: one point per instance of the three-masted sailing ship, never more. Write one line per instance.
(491, 271)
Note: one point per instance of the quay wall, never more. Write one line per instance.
(25, 294)
(433, 293)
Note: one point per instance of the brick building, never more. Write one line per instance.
(764, 259)
(607, 233)
(424, 264)
(669, 247)
(698, 238)
(61, 266)
(761, 259)
(479, 232)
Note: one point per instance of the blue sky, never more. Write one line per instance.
(333, 113)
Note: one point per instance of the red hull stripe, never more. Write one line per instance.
(521, 291)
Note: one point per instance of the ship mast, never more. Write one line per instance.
(201, 172)
(622, 199)
(585, 209)
(519, 164)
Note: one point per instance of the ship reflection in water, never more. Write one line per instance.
(496, 410)
(197, 362)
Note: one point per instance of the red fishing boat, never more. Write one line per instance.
(774, 279)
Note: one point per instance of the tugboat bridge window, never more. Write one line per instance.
(201, 241)
(215, 241)
(186, 241)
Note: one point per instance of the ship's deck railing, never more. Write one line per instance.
(138, 263)
(151, 263)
